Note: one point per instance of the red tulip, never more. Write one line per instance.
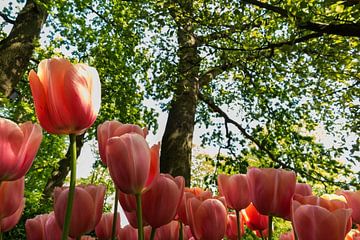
(209, 219)
(353, 200)
(231, 228)
(161, 202)
(111, 129)
(66, 96)
(271, 190)
(87, 208)
(168, 231)
(235, 189)
(103, 229)
(9, 222)
(128, 233)
(11, 197)
(130, 163)
(320, 219)
(303, 189)
(253, 219)
(18, 147)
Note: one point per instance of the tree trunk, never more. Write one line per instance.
(17, 49)
(177, 140)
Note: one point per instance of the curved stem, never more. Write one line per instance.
(139, 217)
(270, 227)
(70, 201)
(113, 230)
(238, 222)
(181, 234)
(153, 231)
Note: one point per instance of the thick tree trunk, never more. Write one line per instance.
(177, 140)
(17, 49)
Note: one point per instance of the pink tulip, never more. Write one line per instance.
(315, 218)
(35, 227)
(161, 202)
(87, 208)
(253, 219)
(209, 219)
(231, 228)
(52, 229)
(11, 197)
(18, 147)
(303, 189)
(353, 200)
(128, 233)
(168, 231)
(271, 190)
(127, 201)
(103, 229)
(235, 189)
(9, 222)
(111, 129)
(130, 163)
(66, 96)
(132, 219)
(287, 236)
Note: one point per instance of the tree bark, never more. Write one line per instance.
(177, 140)
(17, 48)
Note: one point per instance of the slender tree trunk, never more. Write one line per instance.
(177, 140)
(17, 49)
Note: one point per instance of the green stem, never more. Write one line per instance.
(238, 222)
(113, 231)
(152, 235)
(1, 237)
(139, 217)
(70, 201)
(261, 234)
(181, 234)
(270, 227)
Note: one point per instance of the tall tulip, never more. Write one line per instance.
(161, 202)
(315, 218)
(18, 147)
(87, 209)
(353, 200)
(66, 96)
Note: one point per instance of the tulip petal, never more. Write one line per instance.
(10, 222)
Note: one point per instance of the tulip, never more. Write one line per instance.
(253, 219)
(132, 219)
(35, 227)
(354, 234)
(316, 218)
(66, 96)
(168, 231)
(18, 147)
(271, 190)
(235, 189)
(11, 197)
(52, 229)
(161, 202)
(111, 129)
(87, 208)
(128, 233)
(303, 189)
(287, 236)
(209, 218)
(103, 229)
(9, 222)
(130, 163)
(232, 229)
(353, 200)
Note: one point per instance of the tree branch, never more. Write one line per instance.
(270, 7)
(7, 19)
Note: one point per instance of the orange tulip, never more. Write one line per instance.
(18, 147)
(11, 198)
(103, 229)
(353, 200)
(235, 189)
(161, 202)
(354, 234)
(315, 218)
(111, 129)
(271, 190)
(131, 164)
(253, 219)
(66, 96)
(87, 208)
(231, 228)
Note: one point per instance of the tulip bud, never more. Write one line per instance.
(235, 189)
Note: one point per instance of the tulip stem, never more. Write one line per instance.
(181, 237)
(113, 230)
(1, 235)
(261, 234)
(152, 235)
(70, 200)
(238, 222)
(270, 227)
(139, 217)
